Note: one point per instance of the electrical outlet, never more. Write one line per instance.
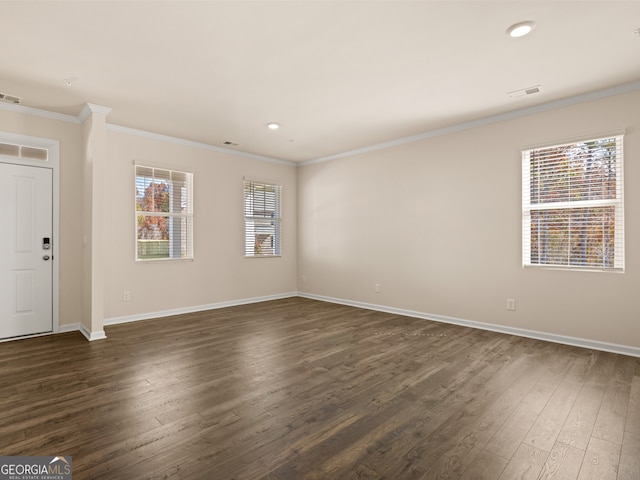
(377, 287)
(126, 296)
(511, 304)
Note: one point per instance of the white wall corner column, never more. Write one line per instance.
(93, 119)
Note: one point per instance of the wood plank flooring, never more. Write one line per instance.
(300, 389)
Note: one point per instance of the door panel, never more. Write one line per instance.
(26, 271)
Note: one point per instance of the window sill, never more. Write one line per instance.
(574, 269)
(162, 260)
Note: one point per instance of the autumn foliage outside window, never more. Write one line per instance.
(572, 205)
(164, 214)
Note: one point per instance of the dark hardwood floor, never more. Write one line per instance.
(299, 389)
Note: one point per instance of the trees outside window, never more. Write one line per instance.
(572, 205)
(164, 214)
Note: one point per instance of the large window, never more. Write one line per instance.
(164, 214)
(262, 216)
(572, 205)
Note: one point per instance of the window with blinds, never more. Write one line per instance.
(164, 214)
(262, 218)
(572, 205)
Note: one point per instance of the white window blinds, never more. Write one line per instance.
(262, 218)
(572, 205)
(164, 214)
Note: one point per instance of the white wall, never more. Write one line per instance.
(437, 224)
(219, 272)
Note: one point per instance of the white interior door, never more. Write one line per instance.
(26, 272)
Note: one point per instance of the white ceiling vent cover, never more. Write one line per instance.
(4, 97)
(525, 91)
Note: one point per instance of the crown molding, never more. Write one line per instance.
(37, 112)
(90, 108)
(523, 112)
(193, 144)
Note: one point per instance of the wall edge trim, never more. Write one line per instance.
(38, 112)
(194, 309)
(91, 336)
(69, 327)
(488, 120)
(519, 332)
(483, 121)
(193, 144)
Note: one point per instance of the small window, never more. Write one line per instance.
(572, 205)
(262, 217)
(164, 214)
(23, 151)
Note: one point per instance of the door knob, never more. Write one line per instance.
(46, 257)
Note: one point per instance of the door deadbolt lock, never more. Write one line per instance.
(46, 243)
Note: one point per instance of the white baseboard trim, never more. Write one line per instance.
(91, 336)
(78, 327)
(520, 332)
(71, 327)
(197, 308)
(23, 337)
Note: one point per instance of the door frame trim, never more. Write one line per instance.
(53, 163)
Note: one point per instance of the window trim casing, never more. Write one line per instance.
(617, 203)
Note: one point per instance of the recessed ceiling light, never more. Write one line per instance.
(273, 126)
(520, 29)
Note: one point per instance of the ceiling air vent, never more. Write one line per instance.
(525, 91)
(9, 98)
